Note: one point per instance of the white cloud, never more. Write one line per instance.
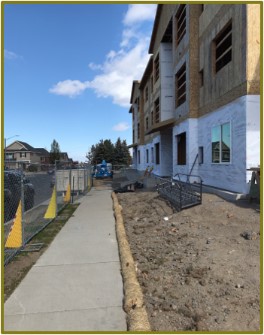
(94, 67)
(11, 55)
(139, 13)
(119, 72)
(70, 88)
(121, 66)
(128, 63)
(122, 126)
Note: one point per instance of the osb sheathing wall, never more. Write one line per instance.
(230, 82)
(194, 79)
(253, 49)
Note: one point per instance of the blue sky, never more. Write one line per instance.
(68, 72)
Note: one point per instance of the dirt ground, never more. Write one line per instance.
(199, 269)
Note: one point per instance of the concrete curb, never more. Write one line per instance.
(137, 317)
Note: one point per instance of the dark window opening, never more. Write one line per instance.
(146, 94)
(157, 111)
(180, 23)
(181, 149)
(152, 118)
(156, 68)
(180, 83)
(157, 153)
(200, 155)
(201, 75)
(223, 47)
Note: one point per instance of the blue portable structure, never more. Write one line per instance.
(103, 170)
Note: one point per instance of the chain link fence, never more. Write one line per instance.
(33, 199)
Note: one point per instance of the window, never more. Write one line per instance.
(157, 153)
(23, 154)
(156, 68)
(157, 111)
(146, 93)
(137, 104)
(147, 156)
(9, 156)
(180, 23)
(180, 85)
(138, 130)
(181, 149)
(147, 123)
(152, 118)
(200, 155)
(201, 75)
(223, 47)
(221, 143)
(138, 156)
(152, 155)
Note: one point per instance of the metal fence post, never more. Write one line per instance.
(22, 209)
(55, 185)
(70, 180)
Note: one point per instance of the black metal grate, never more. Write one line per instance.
(182, 191)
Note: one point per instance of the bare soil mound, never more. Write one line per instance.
(199, 269)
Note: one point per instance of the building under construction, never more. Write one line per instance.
(196, 109)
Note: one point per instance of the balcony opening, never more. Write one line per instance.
(222, 46)
(157, 111)
(180, 85)
(180, 23)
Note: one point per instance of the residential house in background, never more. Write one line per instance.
(196, 109)
(21, 155)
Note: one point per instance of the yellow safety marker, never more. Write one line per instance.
(67, 197)
(14, 239)
(51, 211)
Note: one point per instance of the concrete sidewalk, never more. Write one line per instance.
(76, 285)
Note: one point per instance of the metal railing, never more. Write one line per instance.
(182, 191)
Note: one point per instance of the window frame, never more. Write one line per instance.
(220, 126)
